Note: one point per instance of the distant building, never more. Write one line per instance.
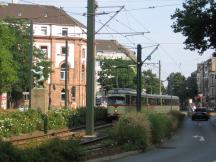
(206, 81)
(52, 27)
(110, 49)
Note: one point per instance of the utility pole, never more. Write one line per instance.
(90, 68)
(159, 77)
(66, 73)
(139, 74)
(30, 61)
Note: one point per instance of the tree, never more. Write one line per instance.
(197, 22)
(191, 85)
(7, 68)
(177, 86)
(17, 45)
(117, 73)
(151, 83)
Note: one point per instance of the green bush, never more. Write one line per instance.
(161, 126)
(52, 151)
(132, 131)
(100, 114)
(8, 153)
(177, 115)
(16, 122)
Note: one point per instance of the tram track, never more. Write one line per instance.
(64, 134)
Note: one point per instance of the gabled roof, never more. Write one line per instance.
(114, 46)
(42, 14)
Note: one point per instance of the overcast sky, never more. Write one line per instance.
(139, 16)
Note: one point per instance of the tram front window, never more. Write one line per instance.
(116, 100)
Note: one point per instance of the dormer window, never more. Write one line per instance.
(44, 30)
(64, 31)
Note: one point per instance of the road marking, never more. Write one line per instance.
(201, 138)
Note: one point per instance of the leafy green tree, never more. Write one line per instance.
(7, 68)
(196, 21)
(17, 45)
(152, 83)
(191, 86)
(117, 73)
(177, 86)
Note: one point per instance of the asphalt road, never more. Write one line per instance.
(194, 142)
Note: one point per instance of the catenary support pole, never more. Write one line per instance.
(139, 74)
(160, 81)
(30, 62)
(90, 68)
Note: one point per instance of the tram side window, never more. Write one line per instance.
(116, 100)
(166, 101)
(127, 99)
(133, 100)
(152, 101)
(163, 101)
(144, 101)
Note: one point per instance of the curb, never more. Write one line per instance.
(114, 157)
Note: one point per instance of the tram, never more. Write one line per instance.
(123, 100)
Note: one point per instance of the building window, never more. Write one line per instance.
(44, 30)
(62, 73)
(63, 94)
(44, 49)
(83, 53)
(64, 31)
(83, 72)
(73, 91)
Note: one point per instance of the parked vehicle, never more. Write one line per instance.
(200, 114)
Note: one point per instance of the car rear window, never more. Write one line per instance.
(200, 110)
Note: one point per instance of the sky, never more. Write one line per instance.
(149, 16)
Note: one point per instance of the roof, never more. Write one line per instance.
(42, 14)
(114, 46)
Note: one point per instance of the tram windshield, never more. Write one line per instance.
(116, 100)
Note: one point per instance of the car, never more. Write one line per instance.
(200, 114)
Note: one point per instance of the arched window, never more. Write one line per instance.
(63, 94)
(62, 73)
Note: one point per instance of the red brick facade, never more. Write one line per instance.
(77, 74)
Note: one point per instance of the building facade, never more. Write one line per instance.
(206, 81)
(51, 28)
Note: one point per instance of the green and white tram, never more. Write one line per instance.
(122, 101)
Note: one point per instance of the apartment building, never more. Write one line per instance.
(52, 26)
(206, 81)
